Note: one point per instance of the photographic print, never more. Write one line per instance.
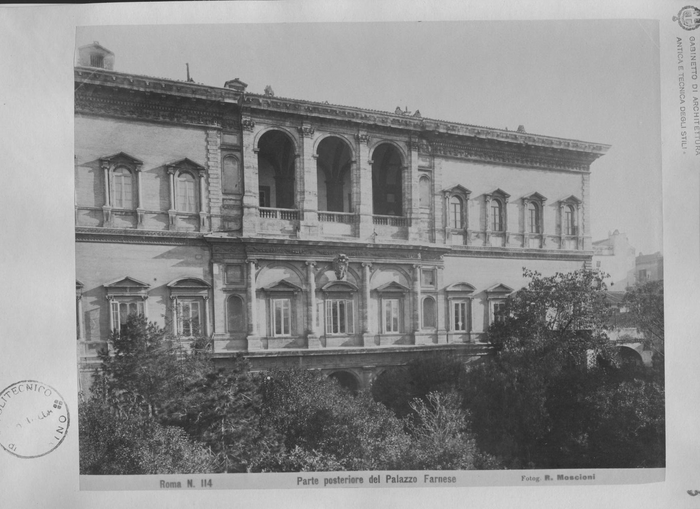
(419, 249)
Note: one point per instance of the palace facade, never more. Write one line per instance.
(308, 234)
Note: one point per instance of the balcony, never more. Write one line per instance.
(391, 220)
(391, 227)
(283, 214)
(337, 217)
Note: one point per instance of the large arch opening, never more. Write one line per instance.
(630, 357)
(276, 170)
(334, 175)
(387, 183)
(346, 380)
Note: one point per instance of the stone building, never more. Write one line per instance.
(649, 268)
(616, 257)
(304, 233)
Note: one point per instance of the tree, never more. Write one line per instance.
(645, 304)
(554, 394)
(440, 435)
(398, 386)
(531, 390)
(113, 444)
(147, 367)
(324, 426)
(222, 410)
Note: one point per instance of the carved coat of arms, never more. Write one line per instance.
(340, 266)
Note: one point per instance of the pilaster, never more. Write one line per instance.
(363, 197)
(312, 337)
(307, 186)
(250, 178)
(411, 187)
(365, 304)
(254, 341)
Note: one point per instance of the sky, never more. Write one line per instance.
(595, 81)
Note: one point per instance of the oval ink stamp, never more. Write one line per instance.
(34, 419)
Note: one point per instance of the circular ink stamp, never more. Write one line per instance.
(34, 419)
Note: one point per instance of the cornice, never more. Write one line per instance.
(514, 155)
(471, 348)
(157, 109)
(133, 82)
(112, 93)
(122, 236)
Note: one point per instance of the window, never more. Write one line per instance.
(392, 319)
(232, 176)
(428, 278)
(122, 308)
(188, 317)
(459, 316)
(569, 220)
(456, 212)
(236, 314)
(424, 192)
(186, 196)
(281, 317)
(496, 216)
(339, 317)
(264, 196)
(97, 61)
(498, 308)
(429, 314)
(533, 217)
(122, 189)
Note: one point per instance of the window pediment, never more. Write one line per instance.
(499, 290)
(392, 287)
(535, 197)
(186, 164)
(126, 286)
(338, 287)
(458, 189)
(461, 288)
(189, 287)
(189, 283)
(498, 193)
(282, 286)
(571, 200)
(122, 158)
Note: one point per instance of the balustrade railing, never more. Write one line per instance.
(285, 214)
(337, 217)
(391, 220)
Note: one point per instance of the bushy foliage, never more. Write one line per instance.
(439, 432)
(645, 304)
(397, 387)
(545, 397)
(147, 368)
(113, 444)
(222, 411)
(326, 425)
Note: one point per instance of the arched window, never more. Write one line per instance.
(429, 318)
(569, 220)
(186, 193)
(456, 212)
(533, 217)
(424, 192)
(232, 176)
(496, 215)
(235, 312)
(122, 189)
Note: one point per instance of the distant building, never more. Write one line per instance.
(649, 268)
(615, 256)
